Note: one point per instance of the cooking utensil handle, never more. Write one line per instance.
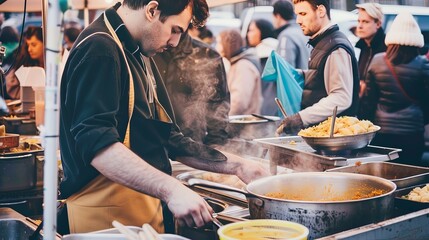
(280, 105)
(216, 221)
(334, 116)
(262, 117)
(204, 183)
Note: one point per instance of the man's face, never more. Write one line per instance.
(307, 18)
(277, 20)
(367, 26)
(160, 36)
(35, 48)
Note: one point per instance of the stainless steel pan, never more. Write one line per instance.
(336, 144)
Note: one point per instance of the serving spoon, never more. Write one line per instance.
(334, 116)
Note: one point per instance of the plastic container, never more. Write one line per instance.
(39, 103)
(114, 234)
(263, 229)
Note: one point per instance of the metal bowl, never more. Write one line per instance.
(343, 143)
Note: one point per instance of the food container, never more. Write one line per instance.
(343, 143)
(263, 229)
(114, 234)
(407, 204)
(9, 141)
(20, 125)
(322, 217)
(249, 127)
(17, 172)
(402, 175)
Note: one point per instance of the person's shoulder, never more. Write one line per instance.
(379, 56)
(205, 48)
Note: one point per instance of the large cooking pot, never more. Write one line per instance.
(322, 217)
(250, 127)
(207, 232)
(17, 172)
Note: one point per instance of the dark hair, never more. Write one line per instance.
(315, 3)
(33, 31)
(265, 27)
(9, 34)
(400, 54)
(204, 33)
(200, 9)
(24, 58)
(284, 8)
(72, 33)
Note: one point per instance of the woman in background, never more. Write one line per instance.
(243, 77)
(261, 37)
(397, 91)
(30, 54)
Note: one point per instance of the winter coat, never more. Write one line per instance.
(244, 83)
(397, 106)
(367, 52)
(293, 46)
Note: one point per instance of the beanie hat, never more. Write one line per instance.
(373, 10)
(405, 31)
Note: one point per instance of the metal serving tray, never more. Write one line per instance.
(406, 204)
(294, 153)
(402, 175)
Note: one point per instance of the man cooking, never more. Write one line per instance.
(117, 128)
(332, 78)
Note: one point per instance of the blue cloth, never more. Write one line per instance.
(290, 83)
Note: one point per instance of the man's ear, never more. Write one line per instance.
(151, 9)
(321, 10)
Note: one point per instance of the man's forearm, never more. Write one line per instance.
(121, 165)
(246, 170)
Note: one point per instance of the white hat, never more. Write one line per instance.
(373, 10)
(405, 31)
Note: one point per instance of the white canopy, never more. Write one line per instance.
(36, 5)
(18, 6)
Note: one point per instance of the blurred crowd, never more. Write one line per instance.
(27, 53)
(211, 77)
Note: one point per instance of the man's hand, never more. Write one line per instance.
(291, 125)
(247, 170)
(188, 207)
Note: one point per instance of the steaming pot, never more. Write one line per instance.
(17, 172)
(321, 217)
(249, 127)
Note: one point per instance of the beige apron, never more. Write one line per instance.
(101, 201)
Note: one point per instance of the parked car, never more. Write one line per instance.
(421, 14)
(345, 20)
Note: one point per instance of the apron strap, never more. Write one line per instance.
(131, 80)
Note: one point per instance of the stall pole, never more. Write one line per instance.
(51, 131)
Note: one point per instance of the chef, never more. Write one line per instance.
(117, 127)
(332, 77)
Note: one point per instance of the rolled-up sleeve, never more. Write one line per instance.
(92, 98)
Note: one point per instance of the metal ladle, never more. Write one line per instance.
(334, 116)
